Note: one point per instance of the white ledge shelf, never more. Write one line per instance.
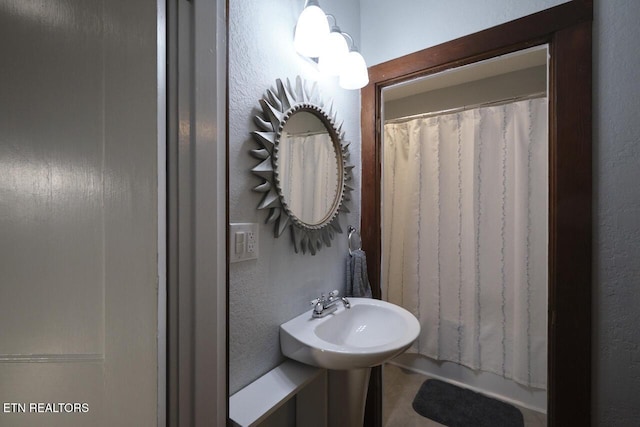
(254, 403)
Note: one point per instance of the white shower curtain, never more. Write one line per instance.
(465, 235)
(309, 175)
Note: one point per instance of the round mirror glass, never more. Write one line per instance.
(308, 169)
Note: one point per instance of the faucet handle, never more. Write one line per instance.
(320, 299)
(318, 305)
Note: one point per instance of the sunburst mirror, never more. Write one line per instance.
(303, 165)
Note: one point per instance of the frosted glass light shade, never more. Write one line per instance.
(354, 74)
(312, 31)
(334, 55)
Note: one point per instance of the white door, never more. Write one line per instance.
(79, 276)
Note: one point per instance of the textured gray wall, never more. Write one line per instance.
(616, 287)
(616, 178)
(278, 285)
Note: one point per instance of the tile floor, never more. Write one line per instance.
(400, 387)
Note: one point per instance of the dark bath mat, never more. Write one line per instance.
(457, 407)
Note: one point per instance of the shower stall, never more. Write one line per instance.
(465, 223)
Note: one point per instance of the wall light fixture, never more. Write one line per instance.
(312, 30)
(331, 60)
(354, 73)
(329, 48)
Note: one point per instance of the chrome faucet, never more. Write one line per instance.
(327, 305)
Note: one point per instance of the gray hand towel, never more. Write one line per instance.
(357, 279)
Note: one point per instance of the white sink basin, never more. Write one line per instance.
(368, 334)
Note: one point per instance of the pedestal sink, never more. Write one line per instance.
(349, 342)
(365, 335)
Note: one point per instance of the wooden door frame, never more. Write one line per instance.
(567, 30)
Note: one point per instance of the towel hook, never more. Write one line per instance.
(353, 231)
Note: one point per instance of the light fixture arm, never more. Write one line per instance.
(353, 47)
(335, 22)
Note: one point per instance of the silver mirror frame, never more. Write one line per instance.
(277, 107)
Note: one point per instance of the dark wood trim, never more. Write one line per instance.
(371, 178)
(570, 227)
(567, 30)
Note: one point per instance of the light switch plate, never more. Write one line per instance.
(243, 240)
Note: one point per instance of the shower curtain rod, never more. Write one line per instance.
(466, 107)
(309, 133)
